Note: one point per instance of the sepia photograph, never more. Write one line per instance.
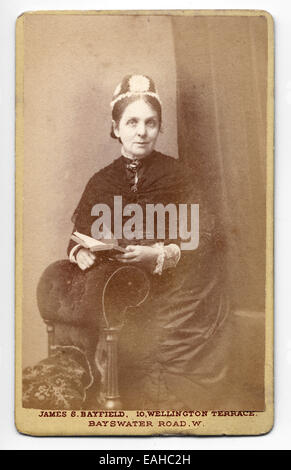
(144, 193)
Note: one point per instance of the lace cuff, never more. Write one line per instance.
(160, 259)
(168, 257)
(172, 255)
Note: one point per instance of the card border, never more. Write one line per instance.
(25, 419)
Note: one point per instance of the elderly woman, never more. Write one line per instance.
(141, 175)
(171, 352)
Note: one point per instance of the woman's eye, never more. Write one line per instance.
(131, 122)
(152, 123)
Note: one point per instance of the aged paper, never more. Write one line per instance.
(154, 128)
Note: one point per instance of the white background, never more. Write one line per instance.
(279, 437)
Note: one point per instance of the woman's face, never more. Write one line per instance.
(138, 129)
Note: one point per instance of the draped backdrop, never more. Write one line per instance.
(221, 66)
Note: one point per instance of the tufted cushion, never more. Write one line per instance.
(66, 294)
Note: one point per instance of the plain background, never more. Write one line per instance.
(279, 437)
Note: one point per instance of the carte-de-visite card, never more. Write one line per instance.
(144, 222)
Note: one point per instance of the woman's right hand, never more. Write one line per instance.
(85, 258)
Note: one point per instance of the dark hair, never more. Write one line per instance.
(120, 106)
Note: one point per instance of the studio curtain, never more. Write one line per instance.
(221, 105)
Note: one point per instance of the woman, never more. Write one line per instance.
(171, 353)
(136, 122)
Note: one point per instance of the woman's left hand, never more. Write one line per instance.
(146, 256)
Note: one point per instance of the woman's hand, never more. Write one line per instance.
(146, 256)
(85, 258)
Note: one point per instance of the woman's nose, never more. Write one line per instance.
(141, 130)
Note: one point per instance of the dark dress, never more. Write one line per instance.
(172, 351)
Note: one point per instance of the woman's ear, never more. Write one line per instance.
(115, 129)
